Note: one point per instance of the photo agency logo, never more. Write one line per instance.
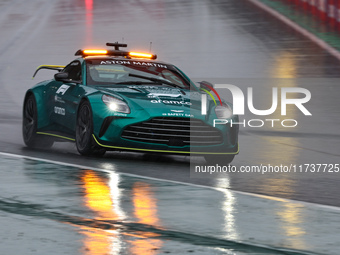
(303, 96)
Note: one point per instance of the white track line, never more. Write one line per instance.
(174, 182)
(301, 30)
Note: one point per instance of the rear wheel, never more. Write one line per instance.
(84, 130)
(30, 124)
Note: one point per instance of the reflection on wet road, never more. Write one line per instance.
(293, 224)
(228, 205)
(108, 213)
(145, 211)
(103, 196)
(98, 198)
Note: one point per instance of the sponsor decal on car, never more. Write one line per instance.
(172, 102)
(59, 110)
(62, 89)
(126, 62)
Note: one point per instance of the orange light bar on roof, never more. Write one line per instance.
(140, 55)
(95, 52)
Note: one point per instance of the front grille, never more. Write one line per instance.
(173, 132)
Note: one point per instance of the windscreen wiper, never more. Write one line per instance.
(136, 82)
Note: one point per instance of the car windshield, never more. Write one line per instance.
(113, 72)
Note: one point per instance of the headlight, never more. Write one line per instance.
(115, 104)
(223, 111)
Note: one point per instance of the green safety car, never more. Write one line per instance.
(120, 100)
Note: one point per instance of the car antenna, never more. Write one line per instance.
(150, 46)
(117, 45)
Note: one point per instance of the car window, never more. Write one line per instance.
(74, 71)
(132, 72)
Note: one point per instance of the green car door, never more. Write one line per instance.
(66, 98)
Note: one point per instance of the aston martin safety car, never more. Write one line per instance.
(113, 99)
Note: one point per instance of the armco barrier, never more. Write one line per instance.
(319, 20)
(327, 11)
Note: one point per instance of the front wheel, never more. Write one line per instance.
(84, 130)
(30, 124)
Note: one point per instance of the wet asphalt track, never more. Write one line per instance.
(212, 40)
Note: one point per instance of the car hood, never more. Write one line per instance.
(155, 99)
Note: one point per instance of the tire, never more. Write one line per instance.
(84, 130)
(30, 124)
(220, 159)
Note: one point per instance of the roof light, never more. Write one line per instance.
(116, 52)
(140, 55)
(95, 52)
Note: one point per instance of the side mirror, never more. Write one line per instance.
(206, 85)
(61, 76)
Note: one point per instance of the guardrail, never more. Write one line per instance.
(327, 11)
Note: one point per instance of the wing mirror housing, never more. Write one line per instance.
(61, 76)
(206, 85)
(64, 77)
